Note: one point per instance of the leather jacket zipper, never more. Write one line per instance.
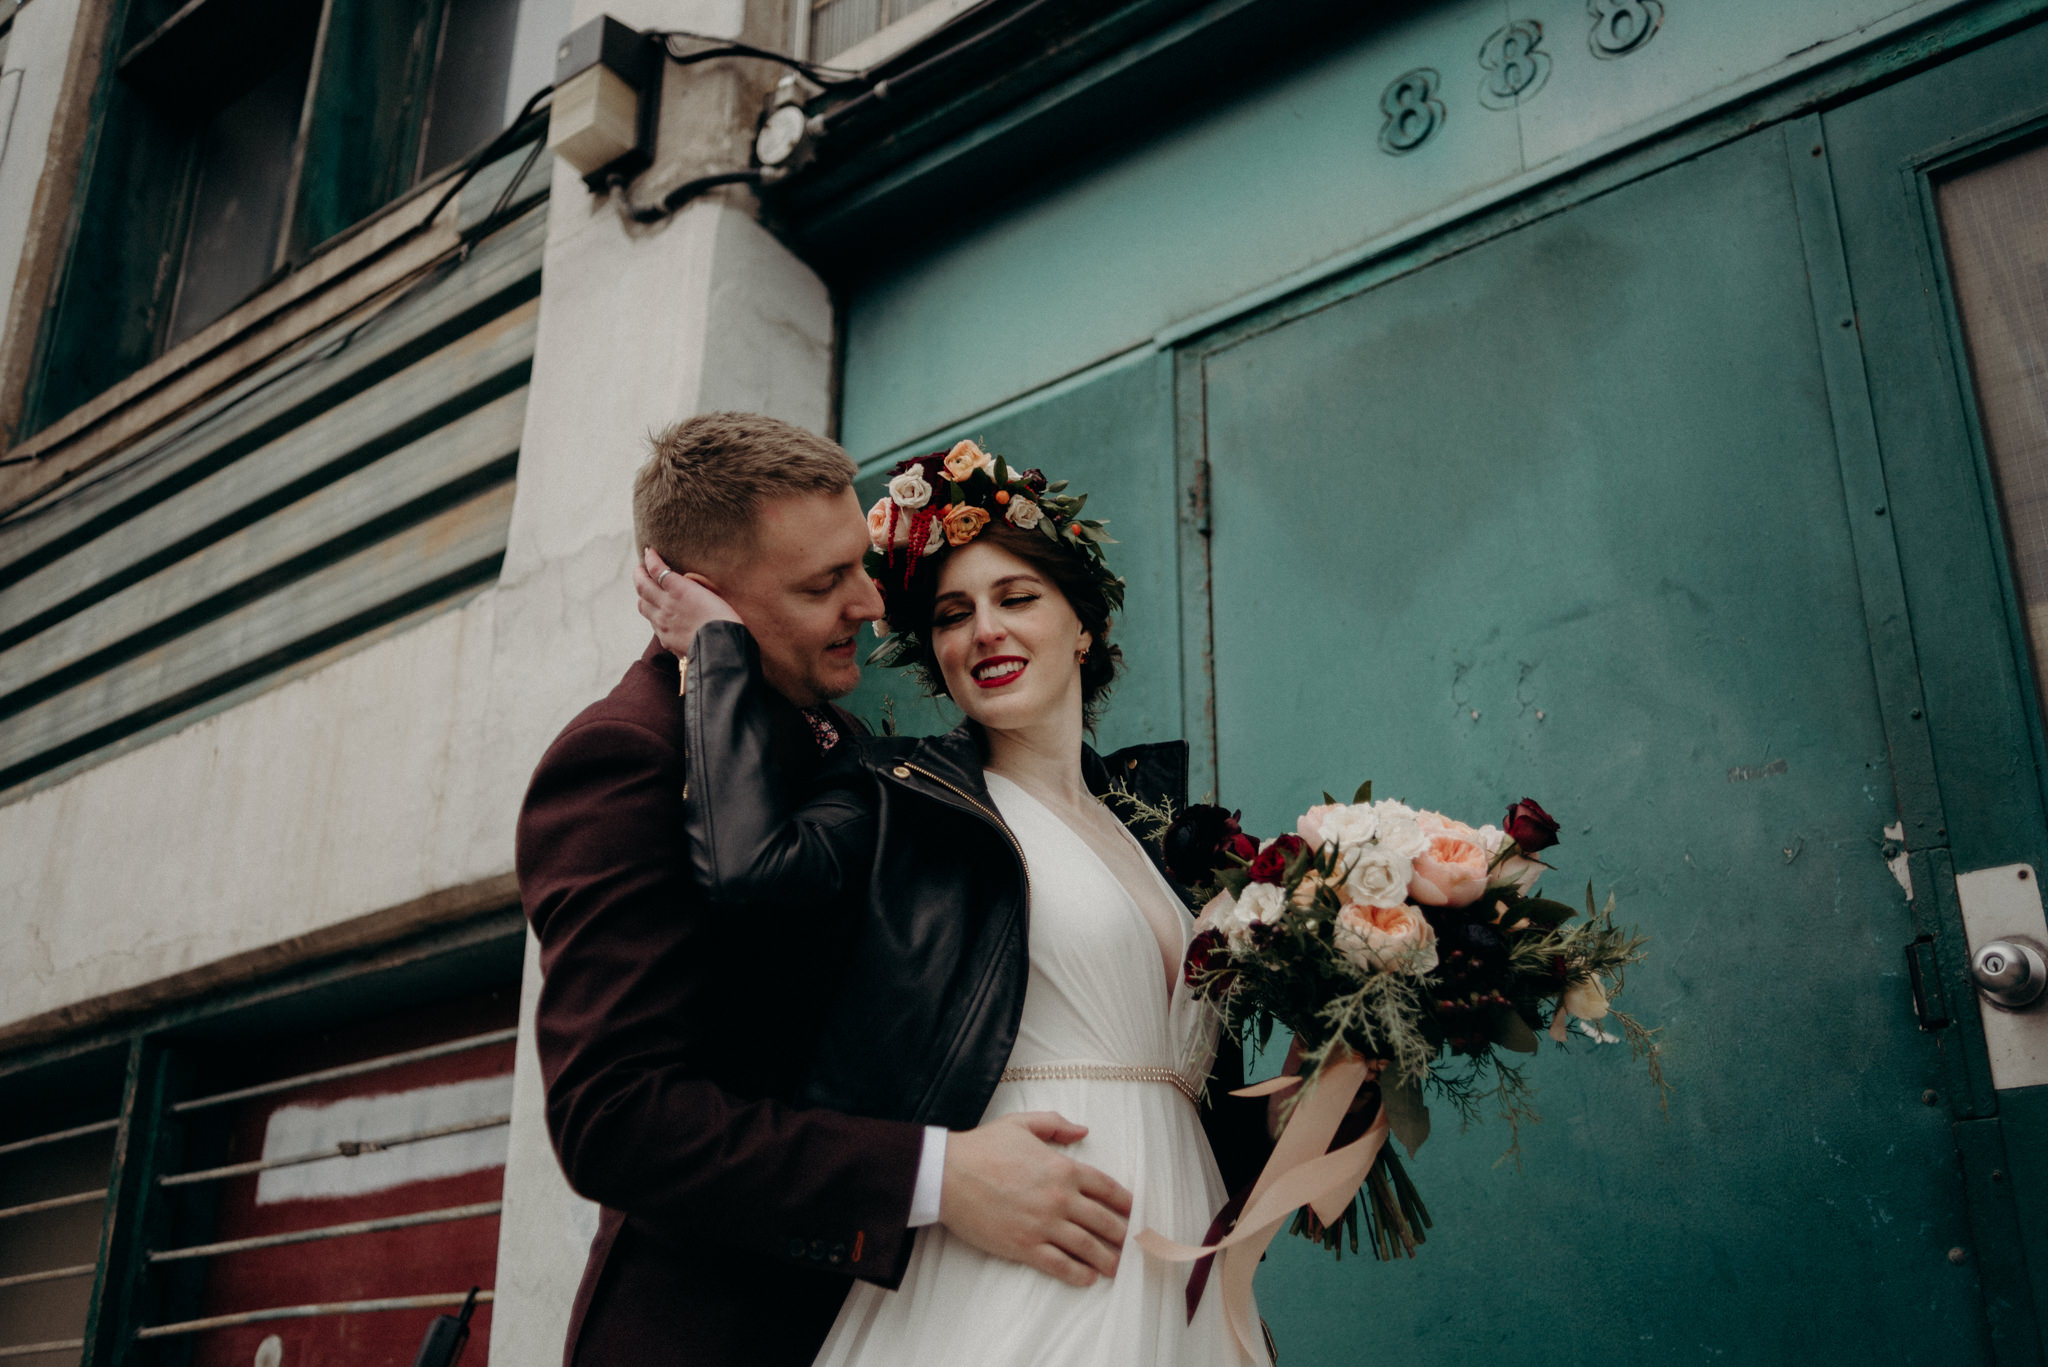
(986, 811)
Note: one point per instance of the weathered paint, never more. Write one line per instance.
(1276, 180)
(1561, 516)
(1983, 776)
(1589, 499)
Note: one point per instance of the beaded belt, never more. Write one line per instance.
(1103, 1072)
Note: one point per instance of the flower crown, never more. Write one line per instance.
(944, 500)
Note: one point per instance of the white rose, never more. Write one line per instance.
(1377, 877)
(1261, 902)
(1349, 826)
(910, 489)
(1224, 913)
(1023, 513)
(935, 538)
(1396, 939)
(1491, 838)
(1402, 834)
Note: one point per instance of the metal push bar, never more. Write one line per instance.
(77, 1198)
(55, 1274)
(300, 1312)
(370, 1065)
(305, 1236)
(348, 1149)
(17, 1145)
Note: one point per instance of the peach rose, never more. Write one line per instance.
(1587, 1000)
(1396, 939)
(878, 523)
(1310, 827)
(1436, 823)
(964, 459)
(1449, 873)
(1305, 891)
(963, 522)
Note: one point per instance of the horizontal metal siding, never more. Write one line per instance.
(364, 476)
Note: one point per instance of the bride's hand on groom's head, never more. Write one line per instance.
(676, 605)
(1010, 1192)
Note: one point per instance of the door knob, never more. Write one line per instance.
(2010, 973)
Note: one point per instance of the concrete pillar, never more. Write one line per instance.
(638, 327)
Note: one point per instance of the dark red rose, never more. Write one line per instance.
(1245, 847)
(1204, 953)
(1194, 844)
(932, 467)
(1529, 826)
(1270, 865)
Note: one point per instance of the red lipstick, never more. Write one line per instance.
(1003, 675)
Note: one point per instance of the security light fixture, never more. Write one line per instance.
(607, 79)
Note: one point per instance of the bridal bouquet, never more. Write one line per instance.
(1408, 953)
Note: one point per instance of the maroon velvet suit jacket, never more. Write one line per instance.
(670, 1040)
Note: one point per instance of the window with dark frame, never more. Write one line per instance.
(232, 139)
(837, 25)
(319, 1163)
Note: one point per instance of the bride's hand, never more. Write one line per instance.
(676, 605)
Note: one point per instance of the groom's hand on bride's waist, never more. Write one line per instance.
(1009, 1191)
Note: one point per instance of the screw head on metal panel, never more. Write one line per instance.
(2009, 973)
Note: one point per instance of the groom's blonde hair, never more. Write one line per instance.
(696, 497)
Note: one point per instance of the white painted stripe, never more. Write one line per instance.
(308, 1129)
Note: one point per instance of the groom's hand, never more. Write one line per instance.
(1010, 1192)
(676, 605)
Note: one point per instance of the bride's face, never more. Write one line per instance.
(1007, 642)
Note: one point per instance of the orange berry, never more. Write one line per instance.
(1002, 495)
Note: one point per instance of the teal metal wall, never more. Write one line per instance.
(1616, 493)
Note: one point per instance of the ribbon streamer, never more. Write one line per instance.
(1303, 1171)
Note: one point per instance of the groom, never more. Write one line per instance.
(673, 1035)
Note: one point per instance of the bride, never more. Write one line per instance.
(1013, 947)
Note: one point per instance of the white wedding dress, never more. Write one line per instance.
(1097, 1000)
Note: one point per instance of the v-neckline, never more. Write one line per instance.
(1130, 899)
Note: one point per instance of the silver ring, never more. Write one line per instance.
(665, 573)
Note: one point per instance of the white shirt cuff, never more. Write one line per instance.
(931, 1178)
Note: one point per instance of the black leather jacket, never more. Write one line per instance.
(927, 1007)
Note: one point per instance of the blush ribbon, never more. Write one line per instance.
(1303, 1171)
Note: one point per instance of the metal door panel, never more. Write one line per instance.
(1110, 432)
(1562, 516)
(1891, 151)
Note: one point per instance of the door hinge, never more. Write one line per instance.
(1929, 1006)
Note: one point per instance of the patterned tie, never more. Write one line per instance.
(822, 729)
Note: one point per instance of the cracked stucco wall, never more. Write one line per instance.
(396, 772)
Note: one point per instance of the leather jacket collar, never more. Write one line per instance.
(1157, 774)
(1151, 772)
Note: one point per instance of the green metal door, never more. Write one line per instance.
(1940, 184)
(1572, 511)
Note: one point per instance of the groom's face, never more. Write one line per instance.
(802, 593)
